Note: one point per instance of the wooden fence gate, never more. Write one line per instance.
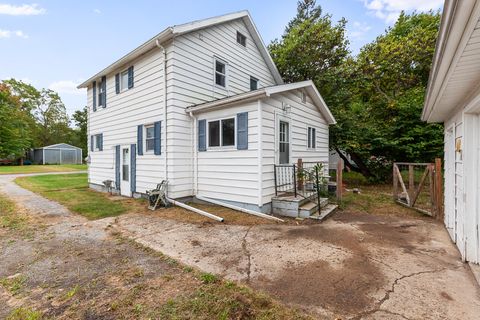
(421, 186)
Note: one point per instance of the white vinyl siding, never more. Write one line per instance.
(227, 173)
(118, 122)
(191, 81)
(300, 116)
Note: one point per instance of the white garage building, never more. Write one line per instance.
(453, 97)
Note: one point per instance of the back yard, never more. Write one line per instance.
(372, 259)
(42, 168)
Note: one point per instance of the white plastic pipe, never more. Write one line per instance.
(203, 213)
(255, 213)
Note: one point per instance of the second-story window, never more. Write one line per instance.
(149, 138)
(101, 94)
(124, 80)
(241, 39)
(220, 73)
(311, 138)
(253, 83)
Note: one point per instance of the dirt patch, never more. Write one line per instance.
(344, 289)
(341, 291)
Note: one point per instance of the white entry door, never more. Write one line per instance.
(125, 172)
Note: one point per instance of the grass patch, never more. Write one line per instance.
(42, 168)
(72, 191)
(12, 219)
(24, 314)
(225, 300)
(208, 278)
(13, 284)
(375, 199)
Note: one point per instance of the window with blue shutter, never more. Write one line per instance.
(242, 131)
(92, 141)
(130, 77)
(157, 138)
(140, 140)
(94, 88)
(117, 83)
(133, 168)
(202, 135)
(117, 167)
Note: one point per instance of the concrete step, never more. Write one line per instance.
(327, 210)
(311, 207)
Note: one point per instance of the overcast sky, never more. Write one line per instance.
(58, 44)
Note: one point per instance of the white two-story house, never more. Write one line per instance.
(203, 106)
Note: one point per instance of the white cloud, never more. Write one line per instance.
(23, 10)
(389, 10)
(12, 33)
(66, 87)
(358, 30)
(97, 11)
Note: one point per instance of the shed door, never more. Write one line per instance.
(125, 172)
(284, 142)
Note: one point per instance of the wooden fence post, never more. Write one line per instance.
(339, 179)
(395, 183)
(300, 174)
(439, 187)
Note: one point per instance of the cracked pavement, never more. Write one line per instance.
(352, 266)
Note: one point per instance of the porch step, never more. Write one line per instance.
(311, 207)
(327, 210)
(296, 207)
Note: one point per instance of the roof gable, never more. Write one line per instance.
(176, 30)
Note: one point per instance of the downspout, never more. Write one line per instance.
(195, 154)
(164, 102)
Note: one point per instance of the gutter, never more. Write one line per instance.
(195, 154)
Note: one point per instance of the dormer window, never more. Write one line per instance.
(241, 39)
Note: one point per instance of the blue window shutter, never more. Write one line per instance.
(104, 88)
(117, 167)
(157, 137)
(91, 142)
(94, 88)
(130, 77)
(100, 147)
(202, 135)
(242, 131)
(140, 140)
(117, 83)
(133, 168)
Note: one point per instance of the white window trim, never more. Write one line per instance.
(238, 43)
(314, 136)
(122, 89)
(99, 91)
(220, 147)
(215, 59)
(95, 142)
(258, 82)
(149, 125)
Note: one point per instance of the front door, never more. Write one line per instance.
(125, 172)
(284, 142)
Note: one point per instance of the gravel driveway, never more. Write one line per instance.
(353, 266)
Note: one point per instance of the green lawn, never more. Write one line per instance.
(72, 191)
(42, 168)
